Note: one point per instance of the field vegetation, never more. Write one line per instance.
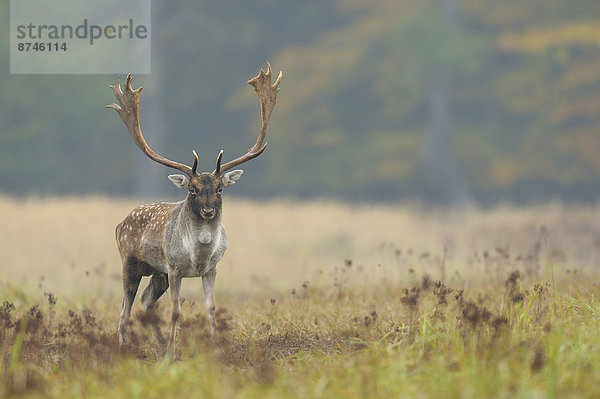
(315, 300)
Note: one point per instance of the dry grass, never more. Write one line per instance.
(315, 300)
(67, 243)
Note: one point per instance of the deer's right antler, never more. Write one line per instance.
(128, 110)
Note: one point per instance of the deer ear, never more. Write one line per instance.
(180, 181)
(230, 178)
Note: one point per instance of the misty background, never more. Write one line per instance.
(442, 101)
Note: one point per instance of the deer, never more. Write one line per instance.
(170, 241)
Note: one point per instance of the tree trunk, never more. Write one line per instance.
(450, 185)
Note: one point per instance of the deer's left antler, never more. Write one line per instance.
(267, 93)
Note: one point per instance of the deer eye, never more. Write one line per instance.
(193, 191)
(219, 190)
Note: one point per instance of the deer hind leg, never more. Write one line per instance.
(132, 275)
(157, 286)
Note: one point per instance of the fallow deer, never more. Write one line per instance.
(169, 241)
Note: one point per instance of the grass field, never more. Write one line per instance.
(315, 300)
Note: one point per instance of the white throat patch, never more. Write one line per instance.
(205, 236)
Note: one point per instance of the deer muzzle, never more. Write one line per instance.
(208, 213)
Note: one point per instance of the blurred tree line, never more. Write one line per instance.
(441, 100)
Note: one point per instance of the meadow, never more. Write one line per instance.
(315, 300)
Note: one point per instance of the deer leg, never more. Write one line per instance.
(131, 280)
(157, 286)
(208, 284)
(175, 283)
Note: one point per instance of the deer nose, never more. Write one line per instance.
(208, 212)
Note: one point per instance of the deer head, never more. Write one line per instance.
(204, 189)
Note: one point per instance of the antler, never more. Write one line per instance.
(128, 110)
(267, 93)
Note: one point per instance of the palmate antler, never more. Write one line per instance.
(267, 93)
(128, 110)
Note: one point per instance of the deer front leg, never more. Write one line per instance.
(175, 285)
(208, 284)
